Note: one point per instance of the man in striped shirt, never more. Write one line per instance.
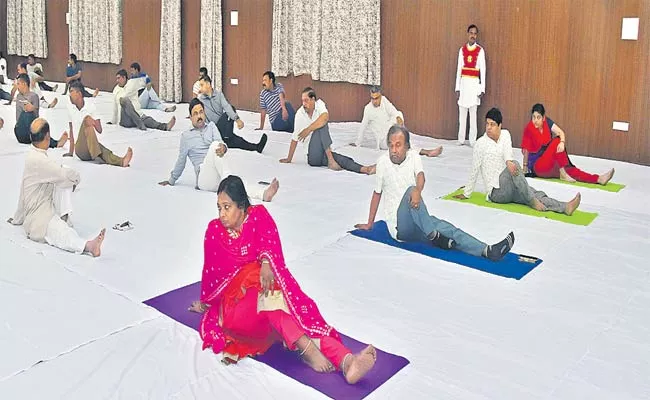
(273, 102)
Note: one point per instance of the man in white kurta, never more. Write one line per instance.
(470, 84)
(44, 205)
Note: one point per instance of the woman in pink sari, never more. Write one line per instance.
(250, 300)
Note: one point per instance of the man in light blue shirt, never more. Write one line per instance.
(204, 147)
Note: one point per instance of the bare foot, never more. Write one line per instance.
(55, 87)
(96, 92)
(572, 205)
(369, 170)
(606, 177)
(358, 365)
(127, 157)
(63, 140)
(565, 177)
(270, 192)
(53, 104)
(538, 205)
(94, 246)
(432, 153)
(312, 355)
(333, 165)
(2, 123)
(171, 123)
(170, 109)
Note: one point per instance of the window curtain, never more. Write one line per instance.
(96, 30)
(170, 83)
(212, 39)
(26, 28)
(333, 40)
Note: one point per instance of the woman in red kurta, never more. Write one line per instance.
(250, 300)
(543, 146)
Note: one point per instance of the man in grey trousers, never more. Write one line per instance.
(310, 127)
(502, 174)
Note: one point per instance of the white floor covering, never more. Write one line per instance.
(576, 327)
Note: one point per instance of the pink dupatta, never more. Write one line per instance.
(224, 257)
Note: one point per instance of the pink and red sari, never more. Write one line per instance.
(231, 282)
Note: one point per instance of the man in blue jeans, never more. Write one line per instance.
(400, 180)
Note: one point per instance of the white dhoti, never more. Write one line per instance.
(468, 102)
(213, 170)
(59, 233)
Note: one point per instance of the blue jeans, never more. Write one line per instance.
(149, 100)
(416, 225)
(278, 124)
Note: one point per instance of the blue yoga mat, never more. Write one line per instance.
(174, 304)
(511, 266)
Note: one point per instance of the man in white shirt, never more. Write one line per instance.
(470, 84)
(37, 68)
(310, 127)
(203, 146)
(87, 126)
(126, 105)
(378, 116)
(503, 177)
(400, 180)
(45, 198)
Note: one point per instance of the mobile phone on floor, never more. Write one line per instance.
(264, 183)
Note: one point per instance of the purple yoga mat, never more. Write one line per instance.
(174, 304)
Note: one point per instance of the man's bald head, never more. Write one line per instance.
(40, 130)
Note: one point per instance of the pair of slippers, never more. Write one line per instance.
(124, 226)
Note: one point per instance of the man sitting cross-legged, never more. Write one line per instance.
(203, 146)
(84, 122)
(310, 127)
(502, 175)
(400, 180)
(45, 198)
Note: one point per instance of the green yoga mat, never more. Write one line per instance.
(578, 217)
(610, 187)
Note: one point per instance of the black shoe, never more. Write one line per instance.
(442, 241)
(497, 251)
(262, 143)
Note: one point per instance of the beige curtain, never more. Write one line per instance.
(96, 30)
(212, 39)
(170, 83)
(333, 40)
(26, 28)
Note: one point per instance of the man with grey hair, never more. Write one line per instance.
(378, 116)
(400, 180)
